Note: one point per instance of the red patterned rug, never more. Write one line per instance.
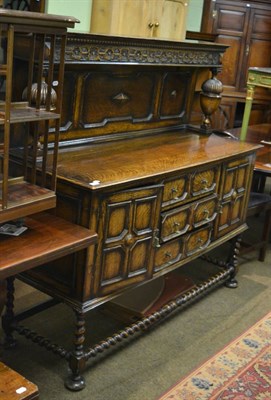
(241, 371)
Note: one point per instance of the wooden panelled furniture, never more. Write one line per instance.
(164, 19)
(158, 193)
(24, 194)
(246, 27)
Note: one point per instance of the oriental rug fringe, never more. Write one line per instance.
(241, 371)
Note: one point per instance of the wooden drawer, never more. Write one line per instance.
(197, 240)
(183, 219)
(205, 181)
(204, 211)
(167, 254)
(188, 186)
(175, 250)
(175, 190)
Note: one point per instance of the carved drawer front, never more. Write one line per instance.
(175, 222)
(204, 211)
(235, 191)
(126, 231)
(175, 190)
(205, 181)
(197, 240)
(167, 254)
(193, 215)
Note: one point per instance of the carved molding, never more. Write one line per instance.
(116, 54)
(96, 49)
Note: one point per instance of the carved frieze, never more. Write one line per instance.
(117, 50)
(89, 53)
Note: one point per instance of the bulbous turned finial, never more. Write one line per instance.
(210, 98)
(43, 96)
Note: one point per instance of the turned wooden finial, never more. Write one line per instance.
(210, 98)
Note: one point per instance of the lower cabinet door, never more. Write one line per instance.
(235, 190)
(128, 224)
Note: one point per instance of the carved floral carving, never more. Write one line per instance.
(117, 51)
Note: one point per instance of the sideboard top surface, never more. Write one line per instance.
(119, 162)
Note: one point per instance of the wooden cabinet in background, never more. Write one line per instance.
(246, 27)
(143, 18)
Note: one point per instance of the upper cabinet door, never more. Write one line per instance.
(140, 18)
(172, 20)
(246, 28)
(121, 17)
(258, 43)
(230, 24)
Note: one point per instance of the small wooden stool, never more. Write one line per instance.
(14, 386)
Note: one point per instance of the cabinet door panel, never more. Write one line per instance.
(230, 24)
(234, 194)
(122, 99)
(261, 23)
(231, 70)
(127, 225)
(230, 19)
(174, 95)
(121, 17)
(172, 21)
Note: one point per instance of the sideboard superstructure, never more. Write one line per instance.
(158, 192)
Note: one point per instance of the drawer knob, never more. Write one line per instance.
(176, 224)
(204, 183)
(174, 192)
(168, 254)
(206, 213)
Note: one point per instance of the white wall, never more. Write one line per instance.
(194, 15)
(80, 9)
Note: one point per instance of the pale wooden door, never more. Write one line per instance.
(172, 19)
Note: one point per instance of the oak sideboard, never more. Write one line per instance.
(158, 192)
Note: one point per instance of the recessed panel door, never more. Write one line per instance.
(126, 234)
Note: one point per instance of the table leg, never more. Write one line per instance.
(248, 105)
